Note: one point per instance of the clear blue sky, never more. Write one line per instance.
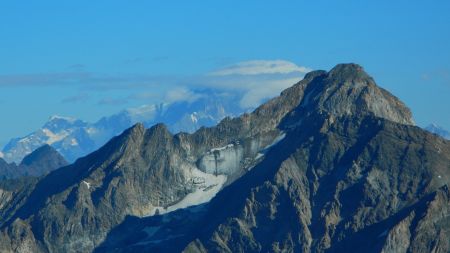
(90, 58)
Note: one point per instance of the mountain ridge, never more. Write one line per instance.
(321, 153)
(74, 138)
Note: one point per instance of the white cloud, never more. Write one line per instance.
(179, 94)
(258, 67)
(256, 80)
(254, 96)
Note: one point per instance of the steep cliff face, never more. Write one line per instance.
(355, 186)
(352, 175)
(332, 164)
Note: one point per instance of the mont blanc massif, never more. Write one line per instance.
(333, 164)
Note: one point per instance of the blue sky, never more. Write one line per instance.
(88, 59)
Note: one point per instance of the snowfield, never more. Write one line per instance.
(207, 186)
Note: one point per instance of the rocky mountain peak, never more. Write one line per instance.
(136, 131)
(58, 123)
(160, 128)
(313, 74)
(348, 90)
(158, 133)
(348, 72)
(39, 162)
(45, 156)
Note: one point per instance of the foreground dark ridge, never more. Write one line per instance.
(352, 174)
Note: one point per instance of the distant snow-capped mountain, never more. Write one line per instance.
(436, 129)
(74, 138)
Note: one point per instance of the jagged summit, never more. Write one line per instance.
(44, 156)
(37, 163)
(348, 90)
(160, 128)
(55, 123)
(137, 128)
(58, 117)
(348, 72)
(315, 73)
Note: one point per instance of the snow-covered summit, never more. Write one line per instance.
(57, 117)
(74, 138)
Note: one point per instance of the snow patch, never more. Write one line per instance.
(142, 113)
(87, 184)
(208, 186)
(194, 118)
(258, 155)
(276, 141)
(223, 160)
(73, 142)
(52, 137)
(221, 148)
(24, 140)
(199, 196)
(57, 117)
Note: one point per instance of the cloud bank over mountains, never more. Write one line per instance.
(89, 96)
(258, 67)
(255, 79)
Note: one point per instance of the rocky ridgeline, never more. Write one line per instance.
(74, 138)
(334, 164)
